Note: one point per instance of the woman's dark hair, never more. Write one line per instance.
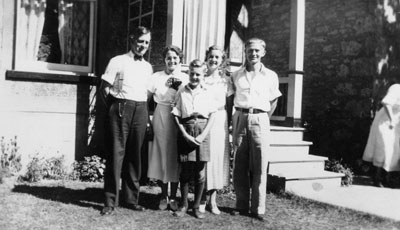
(175, 49)
(137, 32)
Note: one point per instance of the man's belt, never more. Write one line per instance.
(251, 110)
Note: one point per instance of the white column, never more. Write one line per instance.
(296, 59)
(175, 22)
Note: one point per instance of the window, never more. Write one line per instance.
(55, 35)
(140, 14)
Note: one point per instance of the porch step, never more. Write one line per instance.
(294, 181)
(290, 148)
(279, 164)
(286, 133)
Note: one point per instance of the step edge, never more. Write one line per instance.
(283, 128)
(300, 143)
(329, 175)
(307, 158)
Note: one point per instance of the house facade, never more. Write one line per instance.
(331, 56)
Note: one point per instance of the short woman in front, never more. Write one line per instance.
(163, 153)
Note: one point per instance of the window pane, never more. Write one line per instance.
(134, 10)
(147, 6)
(133, 24)
(66, 32)
(146, 21)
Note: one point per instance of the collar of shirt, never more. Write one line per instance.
(195, 91)
(135, 56)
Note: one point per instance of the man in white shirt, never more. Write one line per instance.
(255, 90)
(125, 84)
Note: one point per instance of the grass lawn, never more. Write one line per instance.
(76, 205)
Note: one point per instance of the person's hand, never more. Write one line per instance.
(191, 140)
(199, 139)
(172, 104)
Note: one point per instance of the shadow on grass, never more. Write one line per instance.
(87, 197)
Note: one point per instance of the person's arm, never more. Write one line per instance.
(188, 137)
(104, 91)
(200, 138)
(229, 109)
(273, 107)
(389, 111)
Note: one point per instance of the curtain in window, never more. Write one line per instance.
(65, 29)
(30, 27)
(203, 26)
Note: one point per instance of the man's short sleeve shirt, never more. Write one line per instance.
(255, 89)
(128, 77)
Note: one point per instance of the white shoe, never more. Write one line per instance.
(202, 208)
(215, 210)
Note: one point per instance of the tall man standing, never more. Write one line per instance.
(125, 84)
(255, 91)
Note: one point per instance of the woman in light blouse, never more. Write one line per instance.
(163, 153)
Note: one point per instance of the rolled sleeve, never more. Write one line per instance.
(274, 90)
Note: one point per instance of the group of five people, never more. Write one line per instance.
(190, 126)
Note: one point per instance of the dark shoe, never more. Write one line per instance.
(107, 211)
(134, 207)
(241, 212)
(257, 217)
(173, 205)
(180, 212)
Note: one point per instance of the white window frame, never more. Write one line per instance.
(56, 68)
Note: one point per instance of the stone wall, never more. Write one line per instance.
(340, 66)
(344, 43)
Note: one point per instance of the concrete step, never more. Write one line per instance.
(279, 164)
(286, 133)
(290, 182)
(290, 148)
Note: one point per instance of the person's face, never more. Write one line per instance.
(196, 76)
(254, 52)
(140, 45)
(214, 59)
(172, 60)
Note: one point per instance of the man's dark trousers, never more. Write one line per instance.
(127, 121)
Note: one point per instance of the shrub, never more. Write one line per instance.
(10, 158)
(40, 168)
(337, 166)
(34, 170)
(54, 168)
(90, 169)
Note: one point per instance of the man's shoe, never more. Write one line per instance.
(257, 216)
(241, 212)
(180, 212)
(107, 211)
(134, 207)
